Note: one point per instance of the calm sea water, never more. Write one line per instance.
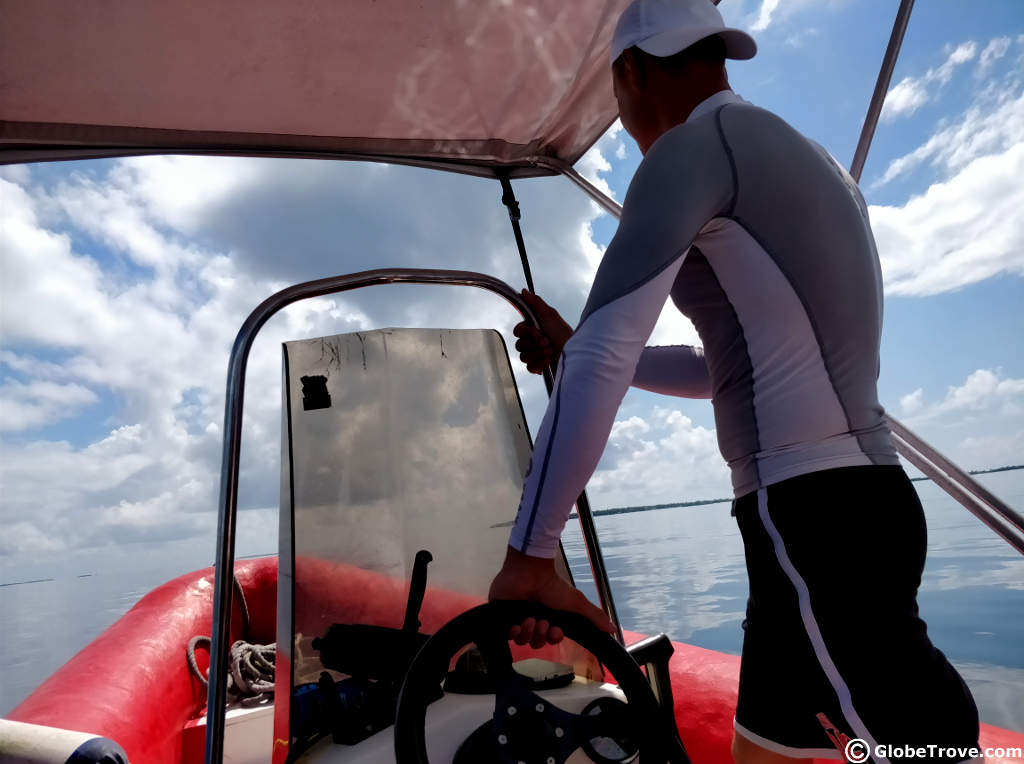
(677, 570)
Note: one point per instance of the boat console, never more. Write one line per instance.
(402, 462)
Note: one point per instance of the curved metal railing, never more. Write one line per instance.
(228, 505)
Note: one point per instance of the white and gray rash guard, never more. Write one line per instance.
(763, 241)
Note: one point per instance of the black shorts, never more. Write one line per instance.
(834, 649)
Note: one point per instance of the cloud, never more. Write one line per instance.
(966, 226)
(21, 536)
(984, 390)
(764, 15)
(773, 12)
(906, 97)
(958, 232)
(24, 406)
(157, 337)
(673, 328)
(911, 93)
(662, 458)
(991, 449)
(995, 50)
(978, 423)
(39, 262)
(595, 161)
(797, 38)
(993, 122)
(961, 54)
(16, 173)
(912, 402)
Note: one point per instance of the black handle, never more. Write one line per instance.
(417, 588)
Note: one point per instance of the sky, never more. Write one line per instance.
(123, 283)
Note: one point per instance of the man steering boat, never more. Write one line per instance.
(762, 239)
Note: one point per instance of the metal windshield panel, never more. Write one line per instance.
(475, 84)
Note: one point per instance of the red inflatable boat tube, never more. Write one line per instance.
(133, 685)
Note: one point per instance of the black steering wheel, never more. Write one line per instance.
(526, 727)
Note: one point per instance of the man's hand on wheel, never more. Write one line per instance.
(541, 348)
(534, 578)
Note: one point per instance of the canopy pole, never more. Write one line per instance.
(892, 52)
(583, 510)
(508, 198)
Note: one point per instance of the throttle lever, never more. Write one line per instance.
(417, 588)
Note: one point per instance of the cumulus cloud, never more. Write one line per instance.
(595, 161)
(910, 93)
(905, 97)
(660, 459)
(966, 225)
(957, 232)
(983, 390)
(912, 402)
(24, 406)
(979, 423)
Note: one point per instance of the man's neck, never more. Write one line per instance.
(704, 97)
(678, 106)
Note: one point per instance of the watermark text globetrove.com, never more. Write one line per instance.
(858, 751)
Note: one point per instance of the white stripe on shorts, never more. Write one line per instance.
(811, 627)
(786, 750)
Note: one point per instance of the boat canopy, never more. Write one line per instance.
(476, 86)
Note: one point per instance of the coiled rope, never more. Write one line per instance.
(251, 666)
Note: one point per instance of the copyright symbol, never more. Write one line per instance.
(857, 751)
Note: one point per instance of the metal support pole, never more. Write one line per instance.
(583, 511)
(508, 198)
(228, 507)
(606, 203)
(892, 52)
(1013, 535)
(986, 506)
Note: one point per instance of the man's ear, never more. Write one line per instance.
(634, 69)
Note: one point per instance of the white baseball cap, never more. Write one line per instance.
(665, 27)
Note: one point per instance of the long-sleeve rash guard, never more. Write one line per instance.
(763, 241)
(678, 370)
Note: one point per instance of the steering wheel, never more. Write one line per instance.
(526, 727)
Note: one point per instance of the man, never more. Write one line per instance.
(763, 241)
